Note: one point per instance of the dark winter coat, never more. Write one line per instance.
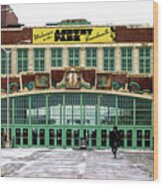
(114, 138)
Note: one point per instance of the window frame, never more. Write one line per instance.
(56, 60)
(39, 59)
(22, 59)
(143, 65)
(107, 65)
(4, 61)
(91, 58)
(74, 58)
(126, 58)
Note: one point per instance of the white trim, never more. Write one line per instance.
(122, 44)
(25, 93)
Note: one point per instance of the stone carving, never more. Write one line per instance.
(73, 79)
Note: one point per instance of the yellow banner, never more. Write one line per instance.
(73, 35)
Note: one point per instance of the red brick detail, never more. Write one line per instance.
(16, 36)
(120, 78)
(27, 78)
(89, 76)
(144, 82)
(124, 34)
(57, 75)
(11, 80)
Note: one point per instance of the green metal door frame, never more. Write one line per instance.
(81, 129)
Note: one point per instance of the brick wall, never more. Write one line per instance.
(16, 36)
(123, 35)
(11, 80)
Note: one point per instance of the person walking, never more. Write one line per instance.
(114, 140)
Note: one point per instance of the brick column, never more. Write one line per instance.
(30, 60)
(100, 59)
(65, 56)
(135, 62)
(14, 61)
(47, 59)
(82, 57)
(117, 59)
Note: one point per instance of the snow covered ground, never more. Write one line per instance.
(82, 164)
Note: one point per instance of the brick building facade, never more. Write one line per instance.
(8, 17)
(64, 92)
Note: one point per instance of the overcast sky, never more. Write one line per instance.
(127, 12)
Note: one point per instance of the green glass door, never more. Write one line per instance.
(144, 139)
(55, 137)
(21, 137)
(41, 137)
(59, 138)
(89, 138)
(69, 134)
(51, 138)
(104, 139)
(38, 137)
(76, 138)
(2, 138)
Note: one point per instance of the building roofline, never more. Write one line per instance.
(129, 26)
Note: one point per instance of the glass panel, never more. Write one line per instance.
(21, 111)
(39, 59)
(139, 138)
(72, 109)
(68, 137)
(129, 138)
(147, 138)
(25, 136)
(42, 136)
(4, 58)
(18, 137)
(89, 109)
(103, 138)
(144, 60)
(59, 137)
(76, 52)
(38, 109)
(143, 112)
(22, 61)
(34, 136)
(86, 136)
(126, 59)
(93, 137)
(91, 57)
(107, 110)
(3, 111)
(74, 57)
(122, 137)
(51, 136)
(125, 111)
(108, 59)
(55, 103)
(56, 57)
(2, 138)
(76, 137)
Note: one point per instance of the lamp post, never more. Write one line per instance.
(8, 51)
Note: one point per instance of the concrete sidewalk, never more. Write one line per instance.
(58, 163)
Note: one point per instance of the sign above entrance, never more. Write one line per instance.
(73, 35)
